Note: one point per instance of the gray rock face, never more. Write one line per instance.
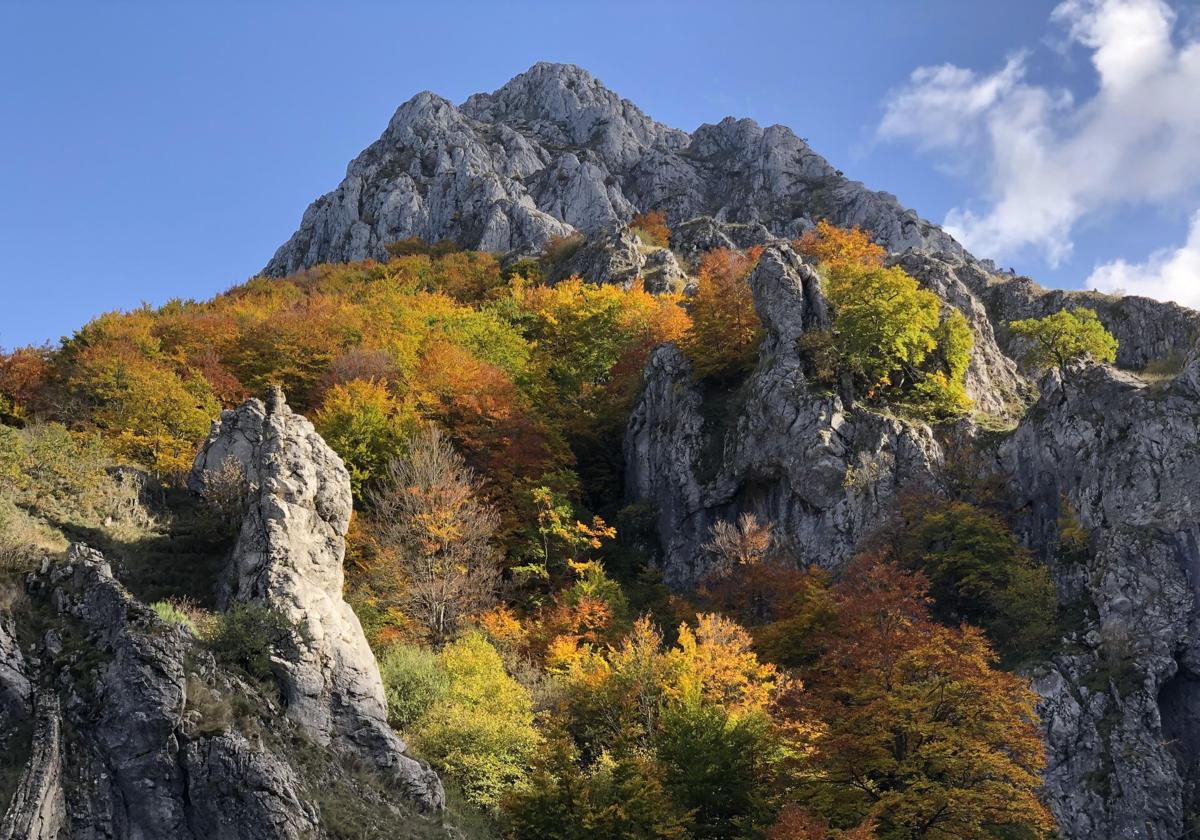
(822, 473)
(1146, 329)
(611, 255)
(15, 690)
(289, 556)
(554, 151)
(127, 764)
(38, 810)
(1122, 708)
(695, 237)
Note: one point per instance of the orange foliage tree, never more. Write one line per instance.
(834, 246)
(726, 332)
(921, 736)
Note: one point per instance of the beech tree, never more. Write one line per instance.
(895, 340)
(429, 521)
(367, 426)
(920, 734)
(1064, 337)
(726, 332)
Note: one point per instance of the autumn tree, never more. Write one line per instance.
(919, 733)
(429, 522)
(152, 410)
(480, 731)
(1065, 337)
(24, 377)
(367, 426)
(834, 247)
(651, 228)
(726, 332)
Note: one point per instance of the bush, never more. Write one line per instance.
(248, 635)
(413, 680)
(561, 248)
(480, 734)
(651, 228)
(820, 357)
(621, 795)
(1066, 336)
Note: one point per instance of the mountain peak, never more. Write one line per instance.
(554, 150)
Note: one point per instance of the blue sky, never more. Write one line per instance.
(159, 150)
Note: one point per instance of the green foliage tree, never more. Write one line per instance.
(979, 573)
(622, 796)
(367, 426)
(480, 733)
(891, 337)
(1064, 337)
(716, 768)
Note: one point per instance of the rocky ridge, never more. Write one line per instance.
(553, 152)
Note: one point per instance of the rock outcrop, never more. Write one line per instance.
(38, 808)
(1146, 330)
(822, 473)
(289, 556)
(129, 720)
(1121, 704)
(554, 151)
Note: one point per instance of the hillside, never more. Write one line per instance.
(568, 475)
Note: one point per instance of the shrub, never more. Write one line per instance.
(559, 249)
(413, 680)
(820, 356)
(1064, 337)
(651, 228)
(480, 734)
(247, 635)
(621, 795)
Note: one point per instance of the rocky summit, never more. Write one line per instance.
(555, 152)
(128, 726)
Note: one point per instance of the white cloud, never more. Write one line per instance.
(1050, 161)
(1169, 274)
